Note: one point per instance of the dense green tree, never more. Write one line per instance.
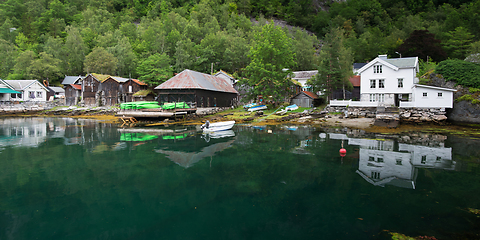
(335, 64)
(100, 61)
(46, 67)
(272, 58)
(185, 55)
(304, 47)
(127, 60)
(458, 42)
(74, 52)
(9, 54)
(155, 69)
(23, 61)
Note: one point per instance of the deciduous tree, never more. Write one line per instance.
(100, 61)
(272, 57)
(155, 70)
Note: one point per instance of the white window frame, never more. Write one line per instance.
(38, 95)
(373, 83)
(425, 94)
(381, 97)
(440, 95)
(373, 97)
(381, 83)
(400, 83)
(377, 69)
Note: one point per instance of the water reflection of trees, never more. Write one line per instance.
(131, 186)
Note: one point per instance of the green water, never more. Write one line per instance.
(79, 179)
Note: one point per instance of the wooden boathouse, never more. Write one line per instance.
(203, 90)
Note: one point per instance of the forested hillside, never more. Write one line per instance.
(150, 40)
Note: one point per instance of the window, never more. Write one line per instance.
(371, 159)
(398, 161)
(372, 97)
(377, 69)
(381, 83)
(372, 83)
(424, 159)
(440, 94)
(400, 83)
(13, 95)
(425, 94)
(39, 94)
(381, 97)
(439, 159)
(380, 159)
(19, 95)
(31, 94)
(375, 175)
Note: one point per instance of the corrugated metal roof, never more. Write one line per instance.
(355, 80)
(310, 94)
(57, 89)
(71, 80)
(189, 79)
(76, 86)
(118, 79)
(139, 82)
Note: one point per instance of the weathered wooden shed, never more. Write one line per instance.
(133, 86)
(111, 89)
(202, 89)
(305, 99)
(73, 92)
(90, 88)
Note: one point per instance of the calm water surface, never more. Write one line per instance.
(80, 179)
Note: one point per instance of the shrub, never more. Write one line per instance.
(475, 101)
(473, 90)
(461, 72)
(466, 97)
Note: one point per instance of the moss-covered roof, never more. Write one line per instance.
(142, 93)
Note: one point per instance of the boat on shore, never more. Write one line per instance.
(256, 108)
(217, 126)
(291, 107)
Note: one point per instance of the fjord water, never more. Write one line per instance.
(63, 178)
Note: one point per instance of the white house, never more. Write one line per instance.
(28, 90)
(302, 77)
(393, 82)
(6, 91)
(226, 77)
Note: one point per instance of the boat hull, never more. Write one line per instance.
(256, 108)
(219, 126)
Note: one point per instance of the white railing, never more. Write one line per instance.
(350, 103)
(407, 104)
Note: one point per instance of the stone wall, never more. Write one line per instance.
(416, 115)
(25, 107)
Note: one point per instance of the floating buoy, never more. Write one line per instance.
(343, 152)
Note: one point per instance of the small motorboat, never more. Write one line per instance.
(256, 108)
(292, 107)
(249, 105)
(217, 126)
(281, 112)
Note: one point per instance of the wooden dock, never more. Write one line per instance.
(155, 113)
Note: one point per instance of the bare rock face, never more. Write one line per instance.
(464, 111)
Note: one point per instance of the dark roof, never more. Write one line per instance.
(355, 80)
(189, 79)
(71, 80)
(358, 65)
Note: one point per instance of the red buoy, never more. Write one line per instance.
(343, 152)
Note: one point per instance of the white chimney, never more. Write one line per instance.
(383, 57)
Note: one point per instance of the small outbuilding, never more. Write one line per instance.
(305, 99)
(203, 90)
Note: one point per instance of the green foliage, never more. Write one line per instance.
(458, 42)
(461, 72)
(473, 90)
(271, 55)
(100, 61)
(466, 97)
(334, 69)
(425, 67)
(155, 70)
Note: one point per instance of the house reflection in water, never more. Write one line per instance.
(381, 163)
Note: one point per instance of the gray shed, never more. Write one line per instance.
(304, 99)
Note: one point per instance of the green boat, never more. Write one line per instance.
(136, 137)
(175, 105)
(139, 105)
